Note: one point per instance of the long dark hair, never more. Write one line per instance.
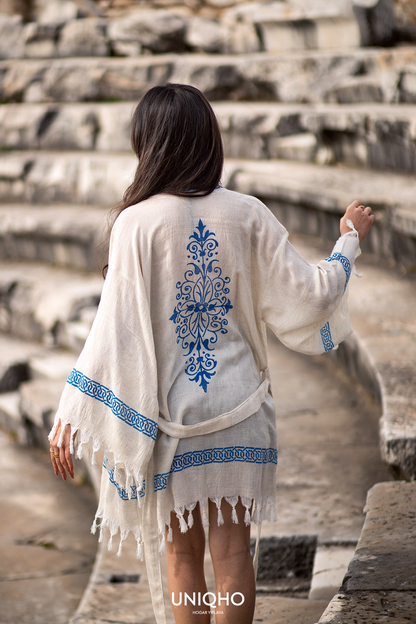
(176, 137)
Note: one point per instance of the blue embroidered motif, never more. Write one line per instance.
(326, 337)
(345, 263)
(121, 410)
(247, 454)
(202, 305)
(121, 491)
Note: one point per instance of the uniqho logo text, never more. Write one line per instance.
(208, 599)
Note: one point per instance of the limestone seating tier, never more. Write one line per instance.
(381, 355)
(310, 198)
(340, 76)
(53, 306)
(380, 582)
(32, 377)
(380, 137)
(68, 177)
(62, 235)
(72, 28)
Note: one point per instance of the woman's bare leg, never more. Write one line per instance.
(186, 570)
(233, 567)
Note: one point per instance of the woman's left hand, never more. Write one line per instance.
(61, 456)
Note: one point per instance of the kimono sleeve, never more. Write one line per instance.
(306, 304)
(111, 395)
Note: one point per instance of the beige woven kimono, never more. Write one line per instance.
(173, 381)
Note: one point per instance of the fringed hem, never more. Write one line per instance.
(125, 475)
(113, 528)
(256, 512)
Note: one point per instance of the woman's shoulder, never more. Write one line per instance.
(252, 211)
(161, 210)
(141, 216)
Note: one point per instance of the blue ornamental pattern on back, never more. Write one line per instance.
(248, 454)
(120, 490)
(101, 393)
(202, 304)
(326, 337)
(345, 263)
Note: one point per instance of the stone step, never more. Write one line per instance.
(308, 197)
(53, 306)
(67, 177)
(61, 235)
(380, 137)
(293, 24)
(220, 27)
(380, 582)
(358, 75)
(381, 354)
(306, 25)
(14, 362)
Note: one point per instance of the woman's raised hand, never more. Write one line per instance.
(61, 456)
(361, 218)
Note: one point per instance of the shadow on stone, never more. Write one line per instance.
(286, 558)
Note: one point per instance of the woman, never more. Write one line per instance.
(173, 381)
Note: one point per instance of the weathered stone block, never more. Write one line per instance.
(114, 123)
(53, 365)
(39, 40)
(301, 147)
(157, 31)
(204, 35)
(407, 86)
(11, 40)
(240, 38)
(68, 129)
(14, 360)
(376, 19)
(40, 297)
(39, 400)
(58, 12)
(85, 37)
(329, 567)
(380, 583)
(301, 25)
(356, 89)
(385, 558)
(377, 606)
(10, 417)
(65, 238)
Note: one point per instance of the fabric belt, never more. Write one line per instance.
(249, 407)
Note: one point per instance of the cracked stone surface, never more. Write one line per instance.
(47, 550)
(366, 608)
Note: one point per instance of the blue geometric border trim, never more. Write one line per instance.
(191, 459)
(121, 491)
(127, 414)
(327, 338)
(345, 263)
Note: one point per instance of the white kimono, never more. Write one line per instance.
(173, 380)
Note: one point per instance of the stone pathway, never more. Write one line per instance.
(46, 547)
